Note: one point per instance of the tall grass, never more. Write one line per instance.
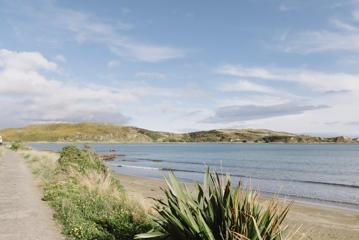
(215, 211)
(88, 201)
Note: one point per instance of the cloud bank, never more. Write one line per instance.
(27, 89)
(241, 113)
(316, 80)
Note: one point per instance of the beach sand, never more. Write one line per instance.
(316, 222)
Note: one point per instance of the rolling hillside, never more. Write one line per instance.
(103, 132)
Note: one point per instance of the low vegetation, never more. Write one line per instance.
(103, 132)
(88, 201)
(85, 132)
(16, 145)
(216, 211)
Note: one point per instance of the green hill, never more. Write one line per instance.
(104, 132)
(83, 132)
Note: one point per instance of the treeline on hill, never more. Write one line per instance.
(102, 132)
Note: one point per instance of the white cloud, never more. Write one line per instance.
(355, 13)
(242, 113)
(25, 61)
(87, 27)
(24, 86)
(126, 10)
(343, 25)
(113, 63)
(193, 91)
(31, 95)
(343, 35)
(240, 71)
(245, 86)
(148, 53)
(323, 41)
(60, 58)
(316, 80)
(151, 76)
(283, 8)
(263, 100)
(304, 113)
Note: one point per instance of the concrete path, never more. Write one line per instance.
(23, 215)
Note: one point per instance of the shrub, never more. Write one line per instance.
(87, 215)
(88, 201)
(83, 160)
(215, 211)
(16, 145)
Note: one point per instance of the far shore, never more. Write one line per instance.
(254, 143)
(316, 221)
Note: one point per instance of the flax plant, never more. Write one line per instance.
(215, 211)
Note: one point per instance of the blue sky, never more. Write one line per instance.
(182, 65)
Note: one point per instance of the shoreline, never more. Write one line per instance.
(318, 221)
(263, 195)
(165, 143)
(267, 195)
(306, 200)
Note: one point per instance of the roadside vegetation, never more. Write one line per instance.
(216, 211)
(16, 145)
(88, 201)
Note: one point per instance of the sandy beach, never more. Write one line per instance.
(316, 222)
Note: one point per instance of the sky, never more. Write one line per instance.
(182, 65)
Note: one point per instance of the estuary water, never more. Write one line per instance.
(325, 174)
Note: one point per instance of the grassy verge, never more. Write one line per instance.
(88, 201)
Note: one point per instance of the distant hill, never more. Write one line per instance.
(104, 132)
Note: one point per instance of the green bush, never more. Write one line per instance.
(87, 215)
(215, 211)
(16, 145)
(81, 160)
(88, 201)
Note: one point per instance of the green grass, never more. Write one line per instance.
(88, 201)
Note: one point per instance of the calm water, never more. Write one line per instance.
(326, 174)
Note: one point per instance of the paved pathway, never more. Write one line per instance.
(23, 216)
